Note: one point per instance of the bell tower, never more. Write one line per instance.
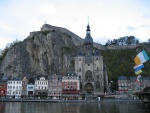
(89, 66)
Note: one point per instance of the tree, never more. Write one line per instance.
(126, 40)
(149, 40)
(136, 41)
(130, 40)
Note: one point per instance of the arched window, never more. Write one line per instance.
(97, 85)
(88, 75)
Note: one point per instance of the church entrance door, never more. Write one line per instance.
(89, 88)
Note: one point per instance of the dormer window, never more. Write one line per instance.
(42, 78)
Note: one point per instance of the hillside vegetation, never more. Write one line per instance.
(121, 61)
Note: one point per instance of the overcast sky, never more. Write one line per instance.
(108, 19)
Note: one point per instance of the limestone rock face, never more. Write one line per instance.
(42, 52)
(48, 51)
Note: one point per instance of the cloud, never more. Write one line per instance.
(8, 34)
(147, 16)
(47, 9)
(142, 32)
(130, 28)
(146, 27)
(20, 18)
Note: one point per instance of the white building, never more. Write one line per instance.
(41, 86)
(14, 88)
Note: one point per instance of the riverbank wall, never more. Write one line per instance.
(73, 101)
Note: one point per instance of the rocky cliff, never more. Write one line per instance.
(50, 50)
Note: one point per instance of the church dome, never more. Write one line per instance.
(88, 39)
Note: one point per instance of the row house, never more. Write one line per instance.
(134, 86)
(139, 86)
(14, 88)
(145, 81)
(3, 89)
(30, 90)
(70, 86)
(17, 87)
(3, 86)
(55, 86)
(122, 84)
(24, 87)
(41, 87)
(131, 85)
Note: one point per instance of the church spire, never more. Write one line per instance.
(88, 29)
(88, 39)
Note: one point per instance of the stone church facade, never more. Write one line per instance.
(90, 68)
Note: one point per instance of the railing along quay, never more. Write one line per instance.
(76, 101)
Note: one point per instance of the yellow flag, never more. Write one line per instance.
(138, 72)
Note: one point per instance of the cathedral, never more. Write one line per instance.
(90, 68)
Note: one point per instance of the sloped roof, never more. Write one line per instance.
(71, 73)
(122, 78)
(133, 78)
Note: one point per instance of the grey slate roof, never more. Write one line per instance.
(88, 39)
(71, 73)
(122, 78)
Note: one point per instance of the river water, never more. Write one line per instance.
(45, 107)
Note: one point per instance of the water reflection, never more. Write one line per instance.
(43, 107)
(2, 107)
